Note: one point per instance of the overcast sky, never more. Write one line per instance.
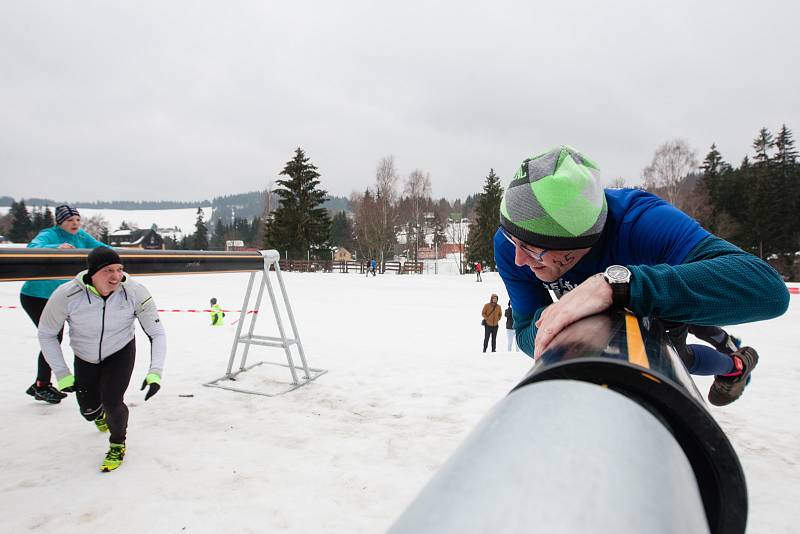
(191, 100)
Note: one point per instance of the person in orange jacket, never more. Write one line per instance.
(492, 313)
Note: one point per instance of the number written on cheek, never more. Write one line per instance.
(567, 259)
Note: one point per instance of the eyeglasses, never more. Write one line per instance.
(536, 256)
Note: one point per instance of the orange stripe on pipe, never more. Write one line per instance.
(636, 352)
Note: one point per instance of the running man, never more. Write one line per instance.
(100, 305)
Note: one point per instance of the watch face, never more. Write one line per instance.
(618, 273)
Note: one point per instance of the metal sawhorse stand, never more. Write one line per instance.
(271, 259)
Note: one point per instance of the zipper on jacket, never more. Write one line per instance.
(102, 330)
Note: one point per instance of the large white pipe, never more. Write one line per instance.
(562, 457)
(606, 433)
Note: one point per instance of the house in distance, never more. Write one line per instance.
(145, 239)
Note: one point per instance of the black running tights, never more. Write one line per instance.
(34, 306)
(101, 386)
(490, 331)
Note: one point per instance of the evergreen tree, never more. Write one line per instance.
(762, 145)
(713, 163)
(787, 175)
(439, 235)
(200, 236)
(253, 232)
(342, 232)
(21, 227)
(709, 185)
(49, 220)
(218, 238)
(480, 244)
(299, 224)
(786, 155)
(765, 198)
(37, 221)
(469, 205)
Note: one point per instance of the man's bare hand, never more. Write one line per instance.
(591, 297)
(65, 245)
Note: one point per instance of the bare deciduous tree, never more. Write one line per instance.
(617, 183)
(96, 225)
(386, 178)
(671, 163)
(418, 191)
(365, 214)
(457, 231)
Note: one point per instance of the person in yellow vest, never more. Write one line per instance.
(216, 313)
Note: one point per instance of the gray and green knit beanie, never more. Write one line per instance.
(555, 201)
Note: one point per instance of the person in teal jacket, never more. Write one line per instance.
(562, 234)
(67, 233)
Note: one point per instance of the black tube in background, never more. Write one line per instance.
(53, 264)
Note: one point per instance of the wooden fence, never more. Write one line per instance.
(360, 267)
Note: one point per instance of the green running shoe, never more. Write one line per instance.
(114, 456)
(101, 423)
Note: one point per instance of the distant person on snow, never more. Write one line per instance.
(100, 305)
(216, 313)
(625, 248)
(33, 296)
(511, 335)
(478, 269)
(492, 314)
(373, 266)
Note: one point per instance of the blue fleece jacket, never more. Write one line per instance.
(51, 238)
(680, 272)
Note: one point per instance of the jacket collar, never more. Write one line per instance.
(83, 280)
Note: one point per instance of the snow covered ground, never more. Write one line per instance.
(346, 453)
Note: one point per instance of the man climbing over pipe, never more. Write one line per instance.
(624, 248)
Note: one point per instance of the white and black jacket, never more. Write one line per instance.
(98, 328)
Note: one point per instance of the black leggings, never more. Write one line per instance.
(490, 331)
(713, 335)
(34, 306)
(101, 386)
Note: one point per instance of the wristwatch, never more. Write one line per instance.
(619, 278)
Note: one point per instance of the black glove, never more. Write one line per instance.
(152, 380)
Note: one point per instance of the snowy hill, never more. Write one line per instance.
(181, 219)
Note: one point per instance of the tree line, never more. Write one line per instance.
(753, 206)
(394, 216)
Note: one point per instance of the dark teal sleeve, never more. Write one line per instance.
(525, 328)
(717, 284)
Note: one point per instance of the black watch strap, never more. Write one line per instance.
(619, 278)
(621, 295)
